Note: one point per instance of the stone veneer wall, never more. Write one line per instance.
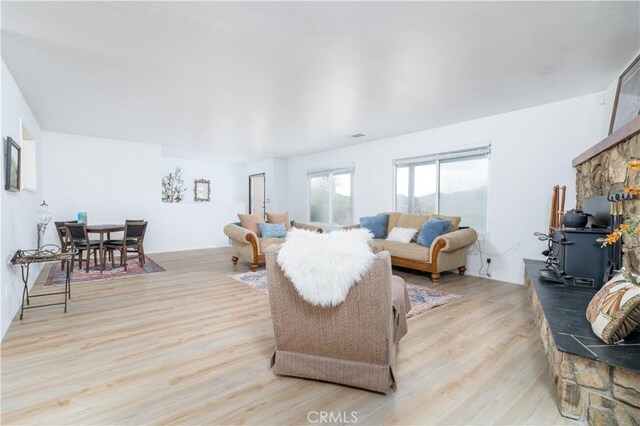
(597, 175)
(587, 390)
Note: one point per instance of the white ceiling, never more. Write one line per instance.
(244, 81)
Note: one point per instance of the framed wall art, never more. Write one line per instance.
(626, 105)
(12, 166)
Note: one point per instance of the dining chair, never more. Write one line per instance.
(132, 242)
(79, 239)
(61, 229)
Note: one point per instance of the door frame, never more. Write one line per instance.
(264, 190)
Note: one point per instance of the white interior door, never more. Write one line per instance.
(257, 192)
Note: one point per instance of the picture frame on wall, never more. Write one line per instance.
(12, 160)
(202, 190)
(626, 106)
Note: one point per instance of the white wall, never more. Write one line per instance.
(203, 221)
(18, 208)
(113, 180)
(532, 150)
(276, 181)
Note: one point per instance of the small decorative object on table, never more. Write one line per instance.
(202, 190)
(47, 253)
(42, 219)
(82, 217)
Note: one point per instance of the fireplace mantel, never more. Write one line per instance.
(625, 132)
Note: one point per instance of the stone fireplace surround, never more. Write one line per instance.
(595, 383)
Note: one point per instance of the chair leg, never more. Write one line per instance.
(95, 257)
(62, 265)
(113, 261)
(435, 277)
(254, 267)
(462, 270)
(124, 258)
(88, 259)
(234, 259)
(80, 253)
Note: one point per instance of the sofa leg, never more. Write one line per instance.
(435, 277)
(254, 267)
(234, 260)
(462, 270)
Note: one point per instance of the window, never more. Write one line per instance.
(28, 167)
(453, 183)
(330, 199)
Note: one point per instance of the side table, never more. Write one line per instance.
(25, 258)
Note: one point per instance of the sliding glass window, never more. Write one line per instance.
(330, 196)
(451, 183)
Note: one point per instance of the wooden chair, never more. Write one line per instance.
(77, 235)
(61, 229)
(133, 242)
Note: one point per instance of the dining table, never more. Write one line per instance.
(102, 230)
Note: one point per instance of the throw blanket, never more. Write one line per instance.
(324, 267)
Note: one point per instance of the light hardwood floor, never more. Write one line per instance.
(192, 346)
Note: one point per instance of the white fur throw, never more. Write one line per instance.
(324, 267)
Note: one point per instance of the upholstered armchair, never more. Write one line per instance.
(249, 247)
(353, 343)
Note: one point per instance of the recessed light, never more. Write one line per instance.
(358, 135)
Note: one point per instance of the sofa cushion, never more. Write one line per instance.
(250, 222)
(415, 221)
(279, 218)
(272, 230)
(455, 220)
(265, 243)
(393, 220)
(402, 235)
(376, 224)
(431, 230)
(412, 251)
(614, 311)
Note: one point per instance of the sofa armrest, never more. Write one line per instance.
(350, 227)
(308, 227)
(455, 240)
(240, 234)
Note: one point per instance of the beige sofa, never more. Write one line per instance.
(249, 247)
(344, 344)
(447, 252)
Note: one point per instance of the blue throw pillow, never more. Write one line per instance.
(272, 230)
(431, 230)
(376, 224)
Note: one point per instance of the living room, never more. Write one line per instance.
(191, 115)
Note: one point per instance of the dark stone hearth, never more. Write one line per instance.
(595, 382)
(565, 311)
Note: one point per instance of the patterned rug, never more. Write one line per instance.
(422, 298)
(57, 276)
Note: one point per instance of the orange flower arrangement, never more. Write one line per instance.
(630, 229)
(633, 165)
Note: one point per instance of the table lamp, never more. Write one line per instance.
(42, 219)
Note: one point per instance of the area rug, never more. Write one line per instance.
(422, 298)
(57, 276)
